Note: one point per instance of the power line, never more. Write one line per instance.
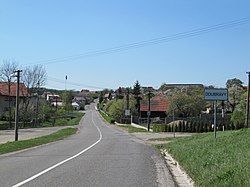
(154, 41)
(73, 83)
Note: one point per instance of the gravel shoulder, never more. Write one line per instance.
(178, 173)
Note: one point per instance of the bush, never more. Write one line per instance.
(74, 121)
(169, 128)
(4, 126)
(179, 126)
(160, 128)
(61, 122)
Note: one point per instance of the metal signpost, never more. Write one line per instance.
(216, 95)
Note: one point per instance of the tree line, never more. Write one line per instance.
(186, 102)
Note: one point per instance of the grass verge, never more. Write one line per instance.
(65, 121)
(161, 139)
(107, 118)
(132, 129)
(221, 162)
(24, 144)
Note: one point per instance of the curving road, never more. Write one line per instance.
(99, 155)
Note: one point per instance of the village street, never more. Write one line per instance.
(99, 155)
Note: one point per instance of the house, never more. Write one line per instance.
(6, 96)
(80, 100)
(107, 96)
(76, 105)
(158, 106)
(54, 99)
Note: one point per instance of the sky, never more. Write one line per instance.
(107, 44)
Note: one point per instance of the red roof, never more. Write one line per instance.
(244, 88)
(85, 92)
(4, 89)
(158, 104)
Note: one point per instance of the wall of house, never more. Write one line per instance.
(154, 114)
(4, 103)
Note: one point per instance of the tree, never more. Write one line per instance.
(238, 116)
(188, 103)
(6, 71)
(67, 100)
(101, 97)
(119, 93)
(33, 78)
(116, 109)
(235, 92)
(231, 82)
(137, 93)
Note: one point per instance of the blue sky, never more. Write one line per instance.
(36, 32)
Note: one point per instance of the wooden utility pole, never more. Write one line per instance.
(10, 125)
(127, 98)
(148, 113)
(17, 104)
(248, 95)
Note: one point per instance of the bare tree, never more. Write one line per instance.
(33, 78)
(6, 71)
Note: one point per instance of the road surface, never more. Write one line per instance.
(99, 155)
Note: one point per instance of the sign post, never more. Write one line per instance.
(216, 95)
(215, 118)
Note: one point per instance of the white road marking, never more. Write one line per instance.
(62, 162)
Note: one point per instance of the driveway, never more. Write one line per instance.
(24, 134)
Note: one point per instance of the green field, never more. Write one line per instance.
(24, 144)
(209, 162)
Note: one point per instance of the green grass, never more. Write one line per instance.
(60, 121)
(65, 121)
(221, 162)
(107, 118)
(132, 129)
(161, 139)
(24, 144)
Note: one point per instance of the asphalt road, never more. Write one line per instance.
(99, 155)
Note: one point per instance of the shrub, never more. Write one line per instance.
(179, 126)
(61, 122)
(4, 126)
(159, 128)
(169, 128)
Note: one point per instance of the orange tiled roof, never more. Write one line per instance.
(158, 104)
(4, 89)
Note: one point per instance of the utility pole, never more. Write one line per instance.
(127, 110)
(66, 97)
(37, 103)
(148, 114)
(17, 104)
(10, 125)
(173, 122)
(248, 95)
(127, 98)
